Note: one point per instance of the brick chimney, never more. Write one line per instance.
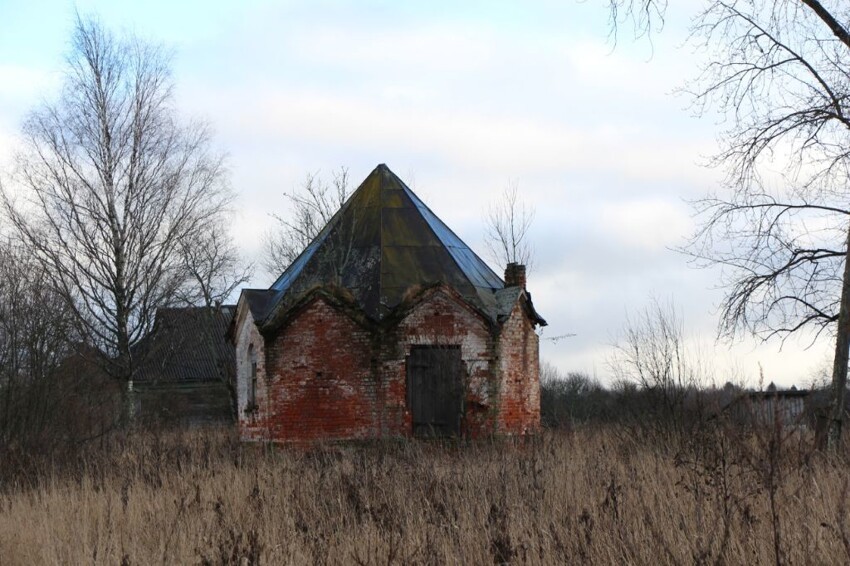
(515, 275)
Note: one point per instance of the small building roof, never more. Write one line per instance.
(187, 344)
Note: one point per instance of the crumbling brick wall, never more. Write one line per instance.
(519, 369)
(330, 377)
(248, 337)
(442, 319)
(320, 384)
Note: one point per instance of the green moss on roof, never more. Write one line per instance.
(382, 242)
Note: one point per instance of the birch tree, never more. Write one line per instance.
(111, 185)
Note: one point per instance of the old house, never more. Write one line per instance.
(186, 369)
(387, 325)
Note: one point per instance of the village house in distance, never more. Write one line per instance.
(187, 368)
(387, 325)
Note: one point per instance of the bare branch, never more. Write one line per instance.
(508, 222)
(780, 74)
(212, 264)
(645, 16)
(312, 205)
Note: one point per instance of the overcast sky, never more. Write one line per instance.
(458, 99)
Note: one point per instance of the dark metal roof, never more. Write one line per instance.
(381, 243)
(478, 273)
(259, 301)
(187, 345)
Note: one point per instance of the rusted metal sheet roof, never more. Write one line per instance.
(381, 243)
(506, 299)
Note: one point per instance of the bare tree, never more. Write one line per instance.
(781, 233)
(32, 341)
(654, 355)
(507, 222)
(313, 205)
(212, 264)
(51, 392)
(112, 187)
(652, 351)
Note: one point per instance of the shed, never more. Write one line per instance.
(785, 407)
(186, 368)
(387, 325)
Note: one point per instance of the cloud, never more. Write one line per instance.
(505, 145)
(464, 98)
(645, 225)
(430, 48)
(23, 85)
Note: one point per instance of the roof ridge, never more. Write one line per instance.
(381, 243)
(417, 202)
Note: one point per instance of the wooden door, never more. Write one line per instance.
(435, 390)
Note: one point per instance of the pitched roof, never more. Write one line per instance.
(382, 242)
(186, 345)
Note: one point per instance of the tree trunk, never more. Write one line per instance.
(839, 368)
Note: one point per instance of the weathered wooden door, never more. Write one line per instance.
(435, 390)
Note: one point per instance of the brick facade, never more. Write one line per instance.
(330, 373)
(519, 412)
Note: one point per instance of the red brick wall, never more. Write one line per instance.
(519, 369)
(320, 380)
(442, 319)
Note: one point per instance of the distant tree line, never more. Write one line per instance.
(576, 399)
(660, 383)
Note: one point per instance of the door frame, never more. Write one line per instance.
(459, 386)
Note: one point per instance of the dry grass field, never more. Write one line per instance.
(609, 496)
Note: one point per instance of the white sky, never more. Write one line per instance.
(458, 101)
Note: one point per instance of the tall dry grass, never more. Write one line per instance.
(599, 497)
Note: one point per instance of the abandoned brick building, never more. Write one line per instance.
(387, 325)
